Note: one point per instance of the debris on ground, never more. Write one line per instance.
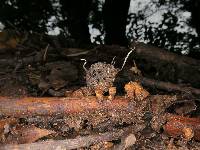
(49, 99)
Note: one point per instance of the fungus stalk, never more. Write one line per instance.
(85, 62)
(132, 49)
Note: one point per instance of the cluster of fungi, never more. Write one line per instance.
(100, 77)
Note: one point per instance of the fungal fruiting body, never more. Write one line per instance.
(135, 91)
(100, 76)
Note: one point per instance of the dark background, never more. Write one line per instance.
(110, 18)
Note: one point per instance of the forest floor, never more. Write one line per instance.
(56, 95)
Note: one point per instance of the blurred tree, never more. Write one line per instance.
(114, 17)
(193, 6)
(171, 32)
(115, 20)
(110, 18)
(76, 17)
(26, 15)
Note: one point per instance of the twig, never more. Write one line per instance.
(45, 53)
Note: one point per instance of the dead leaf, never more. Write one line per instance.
(26, 134)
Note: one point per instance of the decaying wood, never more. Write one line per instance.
(182, 126)
(31, 106)
(167, 86)
(50, 106)
(159, 103)
(68, 143)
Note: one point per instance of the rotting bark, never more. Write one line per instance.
(68, 143)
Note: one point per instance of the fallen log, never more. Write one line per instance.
(31, 106)
(143, 50)
(68, 143)
(168, 86)
(167, 66)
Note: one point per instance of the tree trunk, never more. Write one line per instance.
(77, 13)
(115, 19)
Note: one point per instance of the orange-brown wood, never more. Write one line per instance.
(31, 106)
